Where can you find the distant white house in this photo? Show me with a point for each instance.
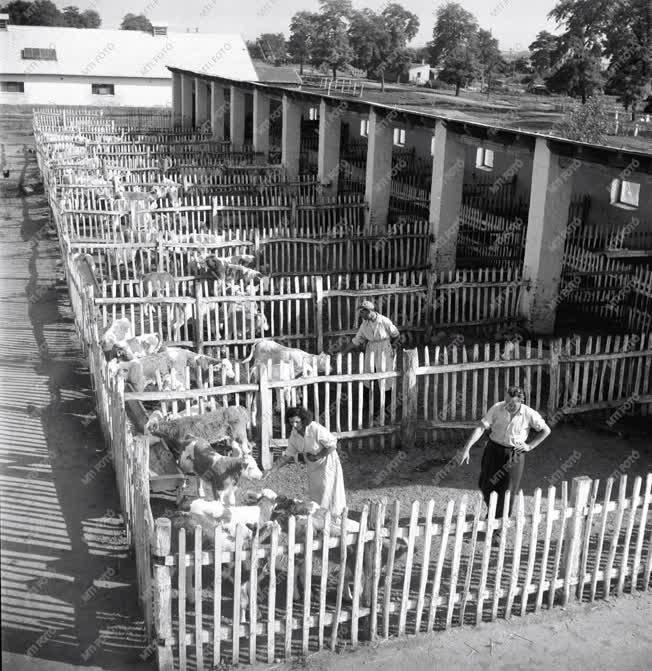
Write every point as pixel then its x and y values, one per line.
pixel 418 73
pixel 71 66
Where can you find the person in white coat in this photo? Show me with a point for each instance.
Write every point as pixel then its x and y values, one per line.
pixel 378 335
pixel 319 447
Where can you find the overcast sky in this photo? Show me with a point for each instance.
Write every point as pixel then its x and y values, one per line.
pixel 514 22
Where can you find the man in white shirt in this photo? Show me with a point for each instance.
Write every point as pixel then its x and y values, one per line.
pixel 503 459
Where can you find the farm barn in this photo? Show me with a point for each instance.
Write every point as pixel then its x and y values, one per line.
pixel 44 65
pixel 205 238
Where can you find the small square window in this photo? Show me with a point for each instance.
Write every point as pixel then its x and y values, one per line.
pixel 313 113
pixel 625 194
pixel 364 127
pixel 103 89
pixel 399 137
pixel 484 159
pixel 12 87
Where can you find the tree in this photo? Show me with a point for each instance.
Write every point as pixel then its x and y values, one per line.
pixel 454 28
pixel 331 45
pixel 460 67
pixel 522 65
pixel 577 66
pixel 488 56
pixel 577 71
pixel 379 40
pixel 303 30
pixel 136 22
pixel 628 45
pixel 39 13
pixel 273 48
pixel 588 122
pixel 541 52
pixel 91 18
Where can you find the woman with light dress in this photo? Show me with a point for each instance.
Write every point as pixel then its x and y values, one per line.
pixel 319 447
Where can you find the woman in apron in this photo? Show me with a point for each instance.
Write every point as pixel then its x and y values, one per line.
pixel 319 447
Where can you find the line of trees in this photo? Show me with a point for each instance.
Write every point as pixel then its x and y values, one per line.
pixel 338 37
pixel 46 13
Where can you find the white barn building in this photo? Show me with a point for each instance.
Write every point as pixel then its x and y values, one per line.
pixel 43 65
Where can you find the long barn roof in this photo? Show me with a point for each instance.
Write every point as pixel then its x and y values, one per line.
pixel 123 53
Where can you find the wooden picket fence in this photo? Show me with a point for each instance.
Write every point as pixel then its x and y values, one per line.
pixel 578 546
pixel 593 285
pixel 490 240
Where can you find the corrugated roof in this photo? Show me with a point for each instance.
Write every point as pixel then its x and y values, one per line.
pixel 124 53
pixel 275 74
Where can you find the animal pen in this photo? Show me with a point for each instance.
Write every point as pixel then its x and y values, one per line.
pixel 415 570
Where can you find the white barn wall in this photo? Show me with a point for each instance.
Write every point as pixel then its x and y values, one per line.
pixel 76 90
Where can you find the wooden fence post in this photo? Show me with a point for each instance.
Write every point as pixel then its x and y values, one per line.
pixel 163 594
pixel 319 311
pixel 294 220
pixel 257 249
pixel 553 388
pixel 265 417
pixel 409 397
pixel 580 490
pixel 199 318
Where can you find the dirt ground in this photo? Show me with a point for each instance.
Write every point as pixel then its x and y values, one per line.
pixel 608 635
pixel 419 474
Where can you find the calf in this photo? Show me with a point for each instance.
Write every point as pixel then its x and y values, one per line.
pixel 212 515
pixel 221 473
pixel 222 424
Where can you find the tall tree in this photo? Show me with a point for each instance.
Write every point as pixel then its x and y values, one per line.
pixel 577 65
pixel 273 47
pixel 488 56
pixel 303 31
pixel 628 45
pixel 454 28
pixel 379 41
pixel 136 22
pixel 460 67
pixel 541 52
pixel 332 47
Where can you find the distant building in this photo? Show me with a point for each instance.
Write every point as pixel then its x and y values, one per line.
pixel 72 66
pixel 419 73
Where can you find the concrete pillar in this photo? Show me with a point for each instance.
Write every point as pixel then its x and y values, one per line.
pixel 328 160
pixel 445 197
pixel 550 196
pixel 237 114
pixel 218 108
pixel 186 100
pixel 176 98
pixel 291 137
pixel 379 169
pixel 202 109
pixel 261 122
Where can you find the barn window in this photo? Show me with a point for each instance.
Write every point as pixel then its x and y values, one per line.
pixel 103 89
pixel 33 54
pixel 364 127
pixel 313 113
pixel 484 159
pixel 399 137
pixel 12 87
pixel 625 194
